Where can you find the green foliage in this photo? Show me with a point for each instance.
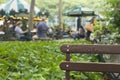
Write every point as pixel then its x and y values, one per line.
pixel 110 34
pixel 52 5
pixel 105 34
pixel 39 61
pixel 114 13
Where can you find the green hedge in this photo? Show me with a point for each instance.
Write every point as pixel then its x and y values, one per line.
pixel 39 60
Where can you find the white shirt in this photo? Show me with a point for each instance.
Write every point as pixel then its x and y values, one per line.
pixel 18 31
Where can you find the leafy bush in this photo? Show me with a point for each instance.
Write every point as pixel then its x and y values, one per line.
pixel 105 34
pixel 38 61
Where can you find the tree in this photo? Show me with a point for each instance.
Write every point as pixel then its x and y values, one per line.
pixel 60 14
pixel 30 22
pixel 114 13
pixel 114 16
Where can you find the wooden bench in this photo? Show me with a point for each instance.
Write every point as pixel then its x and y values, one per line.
pixel 91 66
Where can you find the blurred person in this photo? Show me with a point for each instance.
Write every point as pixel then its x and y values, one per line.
pixel 72 33
pixel 81 33
pixel 20 34
pixel 51 32
pixel 58 32
pixel 77 34
pixel 41 30
pixel 90 28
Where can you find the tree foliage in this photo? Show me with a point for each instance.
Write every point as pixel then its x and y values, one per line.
pixel 114 13
pixel 110 33
pixel 52 5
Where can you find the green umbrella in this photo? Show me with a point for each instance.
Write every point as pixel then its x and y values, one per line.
pixel 80 11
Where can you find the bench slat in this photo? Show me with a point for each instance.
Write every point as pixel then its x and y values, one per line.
pixel 90 67
pixel 101 49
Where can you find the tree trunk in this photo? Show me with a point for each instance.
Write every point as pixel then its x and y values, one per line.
pixel 60 14
pixel 31 15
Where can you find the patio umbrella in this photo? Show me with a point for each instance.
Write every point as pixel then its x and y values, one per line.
pixel 80 11
pixel 17 6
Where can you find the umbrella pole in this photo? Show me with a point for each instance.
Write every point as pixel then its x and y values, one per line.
pixel 79 23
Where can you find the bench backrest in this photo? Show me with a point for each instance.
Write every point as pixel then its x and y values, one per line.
pixel 89 49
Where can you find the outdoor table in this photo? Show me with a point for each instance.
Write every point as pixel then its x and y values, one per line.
pixel 2 33
pixel 33 32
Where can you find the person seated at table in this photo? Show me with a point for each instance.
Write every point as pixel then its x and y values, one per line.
pixel 80 33
pixel 20 34
pixel 41 30
pixel 72 33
